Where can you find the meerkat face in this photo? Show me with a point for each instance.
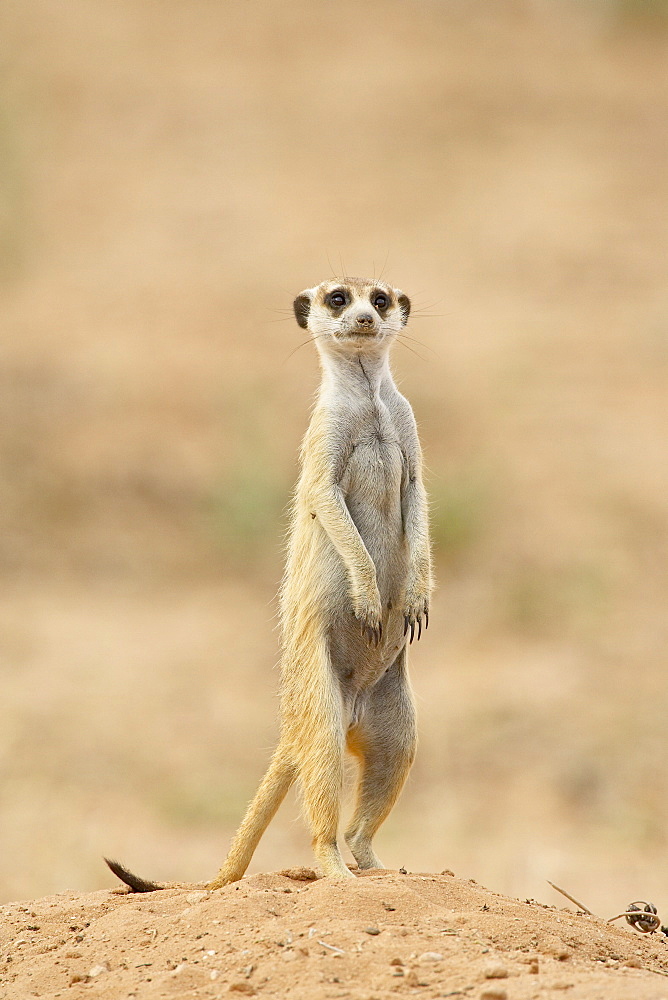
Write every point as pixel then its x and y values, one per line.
pixel 353 314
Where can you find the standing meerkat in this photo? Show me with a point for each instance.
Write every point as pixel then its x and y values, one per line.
pixel 356 587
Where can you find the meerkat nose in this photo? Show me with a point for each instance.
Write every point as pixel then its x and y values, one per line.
pixel 364 320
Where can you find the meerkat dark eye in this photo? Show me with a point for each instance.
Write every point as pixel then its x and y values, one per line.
pixel 380 301
pixel 336 300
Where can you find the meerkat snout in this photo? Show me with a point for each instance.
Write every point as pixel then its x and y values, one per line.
pixel 365 320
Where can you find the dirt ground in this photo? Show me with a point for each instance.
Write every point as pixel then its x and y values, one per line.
pixel 171 175
pixel 388 934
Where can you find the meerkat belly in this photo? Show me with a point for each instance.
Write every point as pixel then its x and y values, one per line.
pixel 372 490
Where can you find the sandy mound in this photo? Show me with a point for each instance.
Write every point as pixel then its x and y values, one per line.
pixel 279 935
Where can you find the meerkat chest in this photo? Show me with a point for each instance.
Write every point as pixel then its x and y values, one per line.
pixel 376 466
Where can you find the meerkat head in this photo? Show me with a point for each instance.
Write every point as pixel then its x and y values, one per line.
pixel 355 315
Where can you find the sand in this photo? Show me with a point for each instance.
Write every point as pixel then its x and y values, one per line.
pixel 289 934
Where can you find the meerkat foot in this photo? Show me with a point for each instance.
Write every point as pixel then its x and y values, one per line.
pixel 371 625
pixel 369 613
pixel 362 851
pixel 372 633
pixel 330 860
pixel 224 877
pixel 413 617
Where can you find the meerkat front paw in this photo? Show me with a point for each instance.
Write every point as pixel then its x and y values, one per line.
pixel 415 612
pixel 369 615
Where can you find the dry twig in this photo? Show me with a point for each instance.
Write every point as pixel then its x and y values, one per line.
pixel 563 892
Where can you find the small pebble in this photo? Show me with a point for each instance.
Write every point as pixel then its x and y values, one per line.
pixel 241 988
pixel 97 970
pixel 196 897
pixel 495 972
pixel 396 961
pixel 299 874
pixel 633 963
pixel 494 993
pixel 431 956
pixel 534 967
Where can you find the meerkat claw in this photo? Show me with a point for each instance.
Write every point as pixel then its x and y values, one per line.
pixel 371 633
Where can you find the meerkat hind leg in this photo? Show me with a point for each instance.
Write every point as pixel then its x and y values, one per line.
pixel 322 789
pixel 321 774
pixel 384 742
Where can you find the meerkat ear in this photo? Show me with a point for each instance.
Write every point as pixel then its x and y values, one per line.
pixel 302 307
pixel 405 306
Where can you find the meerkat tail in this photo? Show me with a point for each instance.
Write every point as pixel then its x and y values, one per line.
pixel 270 794
pixel 273 789
pixel 134 882
pixel 138 884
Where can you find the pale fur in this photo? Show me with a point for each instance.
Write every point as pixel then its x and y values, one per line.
pixel 358 577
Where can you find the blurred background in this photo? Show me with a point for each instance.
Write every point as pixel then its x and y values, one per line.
pixel 171 175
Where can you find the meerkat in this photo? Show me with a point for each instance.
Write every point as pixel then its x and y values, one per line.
pixel 356 588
